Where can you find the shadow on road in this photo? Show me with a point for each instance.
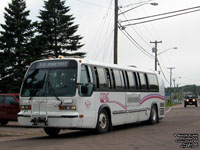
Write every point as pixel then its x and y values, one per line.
pixel 73 134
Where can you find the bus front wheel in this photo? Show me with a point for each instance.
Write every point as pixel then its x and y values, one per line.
pixel 103 122
pixel 52 131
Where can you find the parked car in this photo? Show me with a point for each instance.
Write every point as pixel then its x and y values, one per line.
pixel 9 107
pixel 190 100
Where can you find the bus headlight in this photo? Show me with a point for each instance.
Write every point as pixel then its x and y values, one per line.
pixel 67 107
pixel 194 100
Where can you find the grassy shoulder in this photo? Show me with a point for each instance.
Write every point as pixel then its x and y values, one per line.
pixel 170 104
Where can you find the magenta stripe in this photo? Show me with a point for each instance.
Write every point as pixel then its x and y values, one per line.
pixel 146 98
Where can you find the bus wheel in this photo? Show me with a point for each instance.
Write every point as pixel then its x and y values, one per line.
pixel 3 122
pixel 153 116
pixel 103 122
pixel 52 131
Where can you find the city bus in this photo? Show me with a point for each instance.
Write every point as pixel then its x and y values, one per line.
pixel 74 93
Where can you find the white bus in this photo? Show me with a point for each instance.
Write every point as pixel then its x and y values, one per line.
pixel 66 93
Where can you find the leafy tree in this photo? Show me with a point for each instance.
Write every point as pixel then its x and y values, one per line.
pixel 15 38
pixel 57 30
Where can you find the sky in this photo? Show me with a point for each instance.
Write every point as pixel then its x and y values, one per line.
pixel 96 18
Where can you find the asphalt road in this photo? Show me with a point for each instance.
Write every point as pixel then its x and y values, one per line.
pixel 180 127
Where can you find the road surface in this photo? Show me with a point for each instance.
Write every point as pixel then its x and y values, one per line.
pixel 180 127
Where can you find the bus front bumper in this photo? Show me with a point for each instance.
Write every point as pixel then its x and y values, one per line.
pixel 61 120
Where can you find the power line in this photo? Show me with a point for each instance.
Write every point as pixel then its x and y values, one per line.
pixel 133 41
pixel 89 3
pixel 163 72
pixel 162 14
pixel 137 32
pixel 161 18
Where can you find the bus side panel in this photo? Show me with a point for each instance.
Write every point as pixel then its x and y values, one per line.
pixel 87 111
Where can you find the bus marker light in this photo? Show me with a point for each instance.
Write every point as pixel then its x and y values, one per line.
pixel 62 107
pixel 81 116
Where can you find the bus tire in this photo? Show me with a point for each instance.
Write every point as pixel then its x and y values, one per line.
pixel 52 131
pixel 3 122
pixel 153 119
pixel 103 122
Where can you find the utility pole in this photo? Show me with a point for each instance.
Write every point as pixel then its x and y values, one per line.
pixel 156 52
pixel 116 33
pixel 171 68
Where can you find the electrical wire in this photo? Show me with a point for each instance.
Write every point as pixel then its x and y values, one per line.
pixel 89 3
pixel 138 33
pixel 160 18
pixel 162 72
pixel 162 14
pixel 133 41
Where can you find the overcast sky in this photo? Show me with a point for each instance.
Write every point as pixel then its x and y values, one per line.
pixel 95 19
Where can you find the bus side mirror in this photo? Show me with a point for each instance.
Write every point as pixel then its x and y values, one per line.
pixel 86 90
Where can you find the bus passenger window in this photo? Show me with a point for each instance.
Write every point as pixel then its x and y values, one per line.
pixel 97 77
pixel 108 78
pixel 143 83
pixel 102 80
pixel 122 79
pixel 118 83
pixel 113 78
pixel 131 79
pixel 153 82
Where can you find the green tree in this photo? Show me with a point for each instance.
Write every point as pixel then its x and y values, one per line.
pixel 57 30
pixel 15 38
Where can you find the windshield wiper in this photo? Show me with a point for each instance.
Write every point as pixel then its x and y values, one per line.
pixel 53 91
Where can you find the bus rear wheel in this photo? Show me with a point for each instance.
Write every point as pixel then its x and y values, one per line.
pixel 153 116
pixel 103 122
pixel 52 131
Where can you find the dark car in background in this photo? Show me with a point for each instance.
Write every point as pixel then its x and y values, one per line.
pixel 9 107
pixel 190 100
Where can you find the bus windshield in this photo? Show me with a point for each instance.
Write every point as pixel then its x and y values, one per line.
pixel 51 78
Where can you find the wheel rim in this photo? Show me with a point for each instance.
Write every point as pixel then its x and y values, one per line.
pixel 102 121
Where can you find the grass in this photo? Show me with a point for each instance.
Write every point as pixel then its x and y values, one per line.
pixel 169 104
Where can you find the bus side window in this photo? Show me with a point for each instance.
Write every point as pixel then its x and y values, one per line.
pixel 113 78
pixel 118 82
pixel 108 77
pixel 123 80
pixel 102 78
pixel 153 82
pixel 96 77
pixel 127 80
pixel 143 82
pixel 132 80
pixel 136 80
